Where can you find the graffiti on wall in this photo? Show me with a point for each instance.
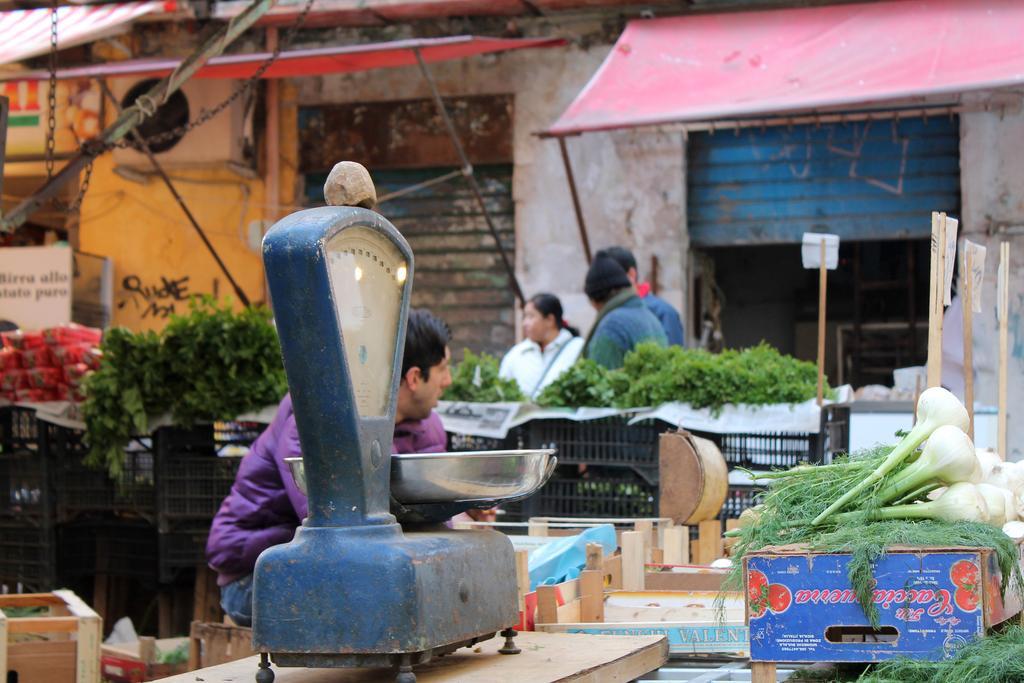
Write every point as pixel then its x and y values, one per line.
pixel 156 299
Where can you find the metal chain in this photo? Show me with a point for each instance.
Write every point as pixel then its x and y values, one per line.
pixel 207 114
pixel 51 114
pixel 94 148
pixel 77 204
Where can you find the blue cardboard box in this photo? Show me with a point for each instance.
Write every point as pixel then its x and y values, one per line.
pixel 931 601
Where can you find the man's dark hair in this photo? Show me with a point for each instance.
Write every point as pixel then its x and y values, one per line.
pixel 624 257
pixel 426 338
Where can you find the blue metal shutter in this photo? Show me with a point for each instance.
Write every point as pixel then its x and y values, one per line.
pixel 866 180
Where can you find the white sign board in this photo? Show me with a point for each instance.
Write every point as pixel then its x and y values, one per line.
pixel 947 283
pixel 811 250
pixel 35 286
pixel 977 273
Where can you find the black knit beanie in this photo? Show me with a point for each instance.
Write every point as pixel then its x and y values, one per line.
pixel 605 274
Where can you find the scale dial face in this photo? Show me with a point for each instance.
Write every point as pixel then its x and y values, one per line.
pixel 367 273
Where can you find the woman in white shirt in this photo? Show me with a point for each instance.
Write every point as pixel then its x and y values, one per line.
pixel 550 347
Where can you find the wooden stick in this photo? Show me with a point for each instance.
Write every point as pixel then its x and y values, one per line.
pixel 537 528
pixel 822 279
pixel 547 605
pixel 763 672
pixel 677 545
pixel 1004 341
pixel 710 541
pixel 591 595
pixel 522 576
pixel 595 556
pixel 967 299
pixel 938 279
pixel 3 644
pixel 645 527
pixel 632 561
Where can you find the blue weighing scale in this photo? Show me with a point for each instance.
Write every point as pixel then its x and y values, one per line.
pixel 355 588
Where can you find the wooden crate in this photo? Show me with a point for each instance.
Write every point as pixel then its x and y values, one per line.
pixel 60 646
pixel 137 662
pixel 213 644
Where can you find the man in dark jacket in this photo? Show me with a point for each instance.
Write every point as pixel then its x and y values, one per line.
pixel 264 506
pixel 623 321
pixel 669 318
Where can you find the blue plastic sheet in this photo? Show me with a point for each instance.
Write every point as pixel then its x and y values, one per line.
pixel 563 559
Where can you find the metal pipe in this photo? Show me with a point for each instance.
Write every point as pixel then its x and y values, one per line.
pixel 782 120
pixel 178 198
pixel 134 115
pixel 418 186
pixel 575 199
pixel 4 108
pixel 467 172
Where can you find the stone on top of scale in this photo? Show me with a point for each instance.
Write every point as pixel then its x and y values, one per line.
pixel 349 184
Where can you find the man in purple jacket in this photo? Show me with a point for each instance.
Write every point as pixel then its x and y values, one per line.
pixel 265 507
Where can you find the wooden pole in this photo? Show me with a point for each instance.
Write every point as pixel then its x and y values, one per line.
pixel 632 561
pixel 967 299
pixel 822 279
pixel 1004 341
pixel 938 279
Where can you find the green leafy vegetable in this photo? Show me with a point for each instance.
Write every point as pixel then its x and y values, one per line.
pixel 476 379
pixel 211 364
pixel 585 384
pixel 756 376
pixel 998 658
pixel 653 375
pixel 801 493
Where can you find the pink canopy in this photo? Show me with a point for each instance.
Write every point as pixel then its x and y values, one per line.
pixel 742 64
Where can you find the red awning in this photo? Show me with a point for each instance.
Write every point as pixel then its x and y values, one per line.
pixel 26 33
pixel 736 65
pixel 314 62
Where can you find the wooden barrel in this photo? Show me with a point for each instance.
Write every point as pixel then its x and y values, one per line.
pixel 693 478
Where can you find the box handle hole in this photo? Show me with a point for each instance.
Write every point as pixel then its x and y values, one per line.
pixel 861 634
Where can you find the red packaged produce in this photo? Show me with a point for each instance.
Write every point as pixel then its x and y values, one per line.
pixel 23 340
pixel 62 392
pixel 37 358
pixel 71 334
pixel 13 380
pixel 35 395
pixel 93 359
pixel 10 359
pixel 44 378
pixel 66 355
pixel 74 373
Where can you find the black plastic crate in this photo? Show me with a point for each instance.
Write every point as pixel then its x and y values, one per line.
pixel 466 442
pixel 116 548
pixel 25 485
pixel 19 429
pixel 181 550
pixel 196 468
pixel 738 499
pixel 82 490
pixel 767 450
pixel 27 556
pixel 596 493
pixel 609 441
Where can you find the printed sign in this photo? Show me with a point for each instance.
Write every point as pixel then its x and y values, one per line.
pixel 77 116
pixel 811 250
pixel 35 286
